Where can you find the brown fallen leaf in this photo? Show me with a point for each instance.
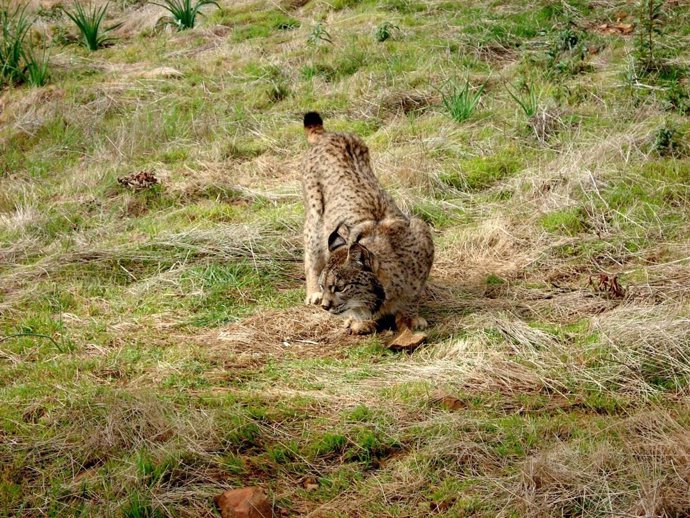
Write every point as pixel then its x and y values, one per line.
pixel 624 28
pixel 139 180
pixel 617 28
pixel 407 341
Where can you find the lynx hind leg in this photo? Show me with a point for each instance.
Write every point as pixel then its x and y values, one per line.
pixel 422 240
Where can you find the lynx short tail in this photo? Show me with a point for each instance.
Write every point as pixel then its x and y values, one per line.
pixel 313 125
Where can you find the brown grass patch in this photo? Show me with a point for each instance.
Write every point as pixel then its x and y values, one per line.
pixel 304 331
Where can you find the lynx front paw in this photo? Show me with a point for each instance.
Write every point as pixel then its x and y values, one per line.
pixel 419 323
pixel 361 327
pixel 404 321
pixel 313 298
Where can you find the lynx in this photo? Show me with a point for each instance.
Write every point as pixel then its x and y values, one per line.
pixel 354 229
pixel 378 269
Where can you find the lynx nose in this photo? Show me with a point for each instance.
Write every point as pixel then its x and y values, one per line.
pixel 326 304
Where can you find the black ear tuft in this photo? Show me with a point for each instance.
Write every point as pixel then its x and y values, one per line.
pixel 312 119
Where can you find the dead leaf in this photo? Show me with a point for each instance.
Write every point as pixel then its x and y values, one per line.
pixel 607 285
pixel 138 181
pixel 310 483
pixel 624 28
pixel 618 28
pixel 407 341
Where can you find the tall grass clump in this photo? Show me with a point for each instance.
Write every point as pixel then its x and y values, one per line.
pixel 527 101
pixel 18 62
pixel 460 102
pixel 36 67
pixel 89 23
pixel 182 12
pixel 15 27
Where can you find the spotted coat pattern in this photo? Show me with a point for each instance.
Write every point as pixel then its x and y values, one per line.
pixel 343 196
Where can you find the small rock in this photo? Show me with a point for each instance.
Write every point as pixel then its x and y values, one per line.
pixel 246 502
pixel 407 341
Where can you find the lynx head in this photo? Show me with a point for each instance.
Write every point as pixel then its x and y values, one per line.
pixel 348 283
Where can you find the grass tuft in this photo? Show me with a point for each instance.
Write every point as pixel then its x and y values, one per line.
pixel 36 67
pixel 19 62
pixel 183 13
pixel 385 31
pixel 528 101
pixel 460 102
pixel 90 24
pixel 319 34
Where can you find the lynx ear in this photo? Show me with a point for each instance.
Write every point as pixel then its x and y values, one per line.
pixel 336 240
pixel 338 237
pixel 360 231
pixel 360 255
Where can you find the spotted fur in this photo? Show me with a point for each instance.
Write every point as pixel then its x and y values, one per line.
pixel 339 187
pixel 383 257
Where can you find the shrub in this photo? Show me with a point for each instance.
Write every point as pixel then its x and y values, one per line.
pixel 567 53
pixel 182 13
pixel 668 141
pixel 89 23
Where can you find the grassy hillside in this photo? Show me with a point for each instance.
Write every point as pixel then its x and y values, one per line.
pixel 154 349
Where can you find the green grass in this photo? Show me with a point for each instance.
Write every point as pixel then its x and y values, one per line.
pixel 19 59
pixel 475 174
pixel 154 346
pixel 569 222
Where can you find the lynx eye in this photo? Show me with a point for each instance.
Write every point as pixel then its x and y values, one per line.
pixel 340 286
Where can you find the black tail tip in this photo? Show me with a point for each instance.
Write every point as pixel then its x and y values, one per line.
pixel 312 119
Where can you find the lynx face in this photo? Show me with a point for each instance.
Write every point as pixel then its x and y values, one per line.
pixel 349 286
